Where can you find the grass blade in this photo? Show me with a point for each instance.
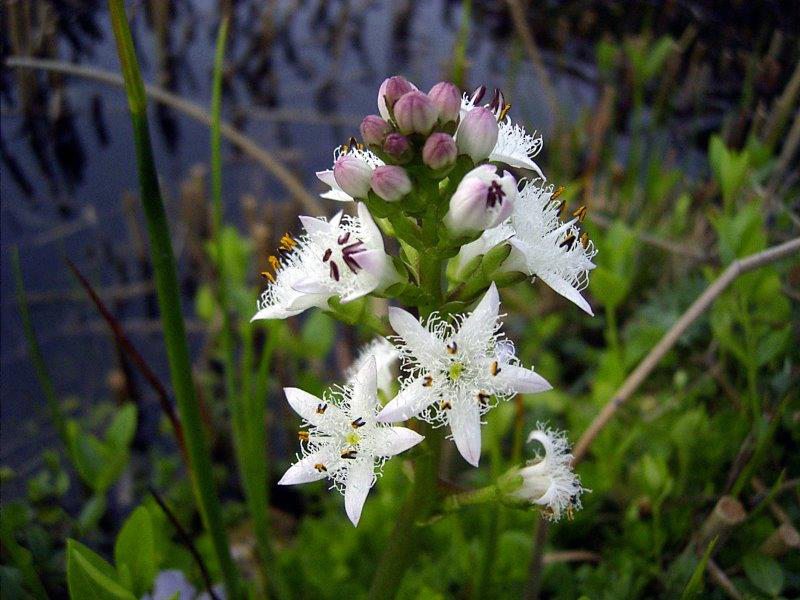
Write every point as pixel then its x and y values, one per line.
pixel 39 366
pixel 168 293
pixel 696 580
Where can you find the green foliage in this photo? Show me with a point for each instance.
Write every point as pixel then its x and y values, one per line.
pixel 729 167
pixel 89 576
pixel 764 572
pixel 135 552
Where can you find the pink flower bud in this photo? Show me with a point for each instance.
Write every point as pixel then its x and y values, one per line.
pixel 414 112
pixel 397 147
pixel 374 130
pixel 353 175
pixel 477 133
pixel 390 91
pixel 447 100
pixel 483 199
pixel 390 183
pixel 439 151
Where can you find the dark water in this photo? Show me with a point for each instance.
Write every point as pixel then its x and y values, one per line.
pixel 298 90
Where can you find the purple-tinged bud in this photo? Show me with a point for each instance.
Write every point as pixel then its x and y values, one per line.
pixel 483 199
pixel 390 183
pixel 414 112
pixel 477 133
pixel 447 99
pixel 353 175
pixel 374 130
pixel 397 147
pixel 390 91
pixel 439 151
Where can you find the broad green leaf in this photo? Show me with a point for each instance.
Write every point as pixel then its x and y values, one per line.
pixel 135 549
pixel 764 572
pixel 122 429
pixel 89 455
pixel 89 576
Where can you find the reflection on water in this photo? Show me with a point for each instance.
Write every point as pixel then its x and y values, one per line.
pixel 295 74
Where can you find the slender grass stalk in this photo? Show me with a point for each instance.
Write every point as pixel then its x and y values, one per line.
pixel 39 366
pixel 168 293
pixel 460 49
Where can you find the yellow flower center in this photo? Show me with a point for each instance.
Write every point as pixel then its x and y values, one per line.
pixel 352 438
pixel 456 368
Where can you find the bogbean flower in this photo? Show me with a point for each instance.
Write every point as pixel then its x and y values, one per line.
pixel 374 130
pixel 415 112
pixel 342 441
pixel 457 371
pixel 387 361
pixel 513 145
pixel 342 258
pixel 391 183
pixel 390 92
pixel 447 100
pixel 477 134
pixel 546 247
pixel 439 151
pixel 355 167
pixel 550 480
pixel 484 199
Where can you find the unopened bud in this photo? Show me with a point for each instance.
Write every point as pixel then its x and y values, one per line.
pixel 353 175
pixel 397 147
pixel 439 151
pixel 477 133
pixel 483 199
pixel 390 183
pixel 390 91
pixel 447 99
pixel 374 130
pixel 414 112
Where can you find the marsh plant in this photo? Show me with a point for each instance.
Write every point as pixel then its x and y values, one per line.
pixel 441 224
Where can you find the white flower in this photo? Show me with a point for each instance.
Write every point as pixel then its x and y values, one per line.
pixel 546 247
pixel 455 371
pixel 515 146
pixel 483 199
pixel 326 176
pixel 343 258
pixel 550 481
pixel 386 358
pixel 343 441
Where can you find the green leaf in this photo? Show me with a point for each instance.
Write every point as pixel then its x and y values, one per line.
pixel 135 549
pixel 87 452
pixel 89 576
pixel 764 572
pixel 205 305
pixel 122 429
pixel 658 54
pixel 318 334
pixel 695 584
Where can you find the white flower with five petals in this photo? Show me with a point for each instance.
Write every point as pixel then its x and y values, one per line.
pixel 457 372
pixel 550 480
pixel 343 441
pixel 327 177
pixel 342 258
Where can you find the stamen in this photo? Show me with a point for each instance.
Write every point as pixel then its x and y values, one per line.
pixel 580 213
pixel 334 271
pixel 445 405
pixel 584 240
pixel 349 454
pixel 494 369
pixel 452 347
pixel 559 190
pixel 427 381
pixel 274 262
pixel 477 95
pixel 504 112
pixel 342 239
pixel 351 262
pixel 320 467
pixel 327 255
pixel 483 398
pixel 287 242
pixel 321 408
pixel 302 436
pixel 494 194
pixel 494 104
pixel 568 242
pixel 359 422
pixel 268 276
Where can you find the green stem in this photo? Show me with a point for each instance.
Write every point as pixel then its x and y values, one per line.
pixel 169 302
pixel 39 366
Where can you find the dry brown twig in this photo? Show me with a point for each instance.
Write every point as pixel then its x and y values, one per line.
pixel 649 363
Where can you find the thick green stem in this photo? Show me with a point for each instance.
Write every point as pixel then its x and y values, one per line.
pixel 169 302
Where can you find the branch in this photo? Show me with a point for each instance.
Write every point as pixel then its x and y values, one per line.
pixel 643 370
pixel 229 132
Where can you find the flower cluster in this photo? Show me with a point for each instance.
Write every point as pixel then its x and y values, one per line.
pixel 437 171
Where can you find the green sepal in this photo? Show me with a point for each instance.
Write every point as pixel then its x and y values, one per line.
pixel 509 278
pixel 495 257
